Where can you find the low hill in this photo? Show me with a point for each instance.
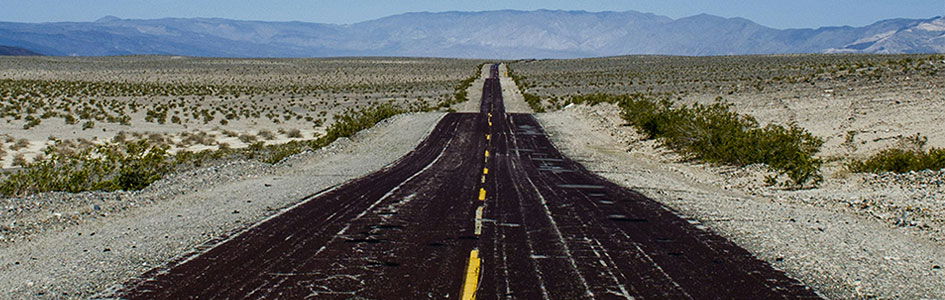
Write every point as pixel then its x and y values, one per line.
pixel 488 34
pixel 16 51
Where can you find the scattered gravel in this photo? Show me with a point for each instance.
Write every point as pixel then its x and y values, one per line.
pixel 514 101
pixel 60 245
pixel 474 93
pixel 857 236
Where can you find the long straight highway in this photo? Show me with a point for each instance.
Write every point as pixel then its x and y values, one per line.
pixel 485 207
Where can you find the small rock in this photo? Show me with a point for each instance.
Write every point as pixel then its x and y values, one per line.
pixel 236 211
pixel 107 250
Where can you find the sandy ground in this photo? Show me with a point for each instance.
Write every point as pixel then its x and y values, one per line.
pixel 79 260
pixel 474 93
pixel 262 129
pixel 227 102
pixel 839 252
pixel 514 101
pixel 854 119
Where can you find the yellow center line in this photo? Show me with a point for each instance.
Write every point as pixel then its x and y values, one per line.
pixel 490 123
pixel 485 171
pixel 479 220
pixel 471 284
pixel 487 153
pixel 482 194
pixel 488 137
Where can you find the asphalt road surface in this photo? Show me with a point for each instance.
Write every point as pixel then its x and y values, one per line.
pixel 487 208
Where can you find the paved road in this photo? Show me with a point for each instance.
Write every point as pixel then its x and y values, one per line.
pixel 485 208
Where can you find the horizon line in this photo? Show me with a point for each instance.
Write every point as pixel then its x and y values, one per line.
pixel 471 12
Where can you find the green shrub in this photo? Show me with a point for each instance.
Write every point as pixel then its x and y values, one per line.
pixel 459 92
pixel 353 121
pixel 900 161
pixel 534 101
pixel 345 125
pixel 31 122
pixel 716 134
pixel 294 133
pixel 135 165
pixel 109 167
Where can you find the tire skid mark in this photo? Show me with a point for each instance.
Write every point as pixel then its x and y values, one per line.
pixel 586 216
pixel 388 194
pixel 341 233
pixel 554 224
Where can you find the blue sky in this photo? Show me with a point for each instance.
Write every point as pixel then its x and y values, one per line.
pixel 774 13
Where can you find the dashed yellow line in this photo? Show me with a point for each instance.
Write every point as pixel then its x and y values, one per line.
pixel 478 229
pixel 482 194
pixel 485 171
pixel 471 284
pixel 487 153
pixel 488 137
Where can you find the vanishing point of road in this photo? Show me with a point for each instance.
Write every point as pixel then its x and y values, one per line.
pixel 485 207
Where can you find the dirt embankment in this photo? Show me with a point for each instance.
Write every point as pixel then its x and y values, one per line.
pixel 81 244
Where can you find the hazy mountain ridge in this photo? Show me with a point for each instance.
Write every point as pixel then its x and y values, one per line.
pixel 16 51
pixel 490 34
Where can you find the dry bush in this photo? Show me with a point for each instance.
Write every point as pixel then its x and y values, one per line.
pixel 20 160
pixel 247 138
pixel 120 137
pixel 294 133
pixel 266 134
pixel 230 133
pixel 20 144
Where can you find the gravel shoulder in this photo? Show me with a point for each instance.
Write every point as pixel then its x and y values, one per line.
pixel 474 93
pixel 841 250
pixel 102 239
pixel 514 101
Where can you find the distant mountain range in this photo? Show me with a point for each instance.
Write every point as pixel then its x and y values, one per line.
pixel 489 34
pixel 15 51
